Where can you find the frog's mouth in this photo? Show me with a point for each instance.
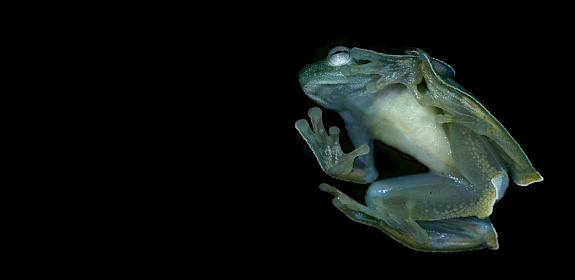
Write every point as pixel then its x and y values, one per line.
pixel 321 93
pixel 313 75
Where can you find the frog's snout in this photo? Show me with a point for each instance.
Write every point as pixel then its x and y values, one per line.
pixel 304 75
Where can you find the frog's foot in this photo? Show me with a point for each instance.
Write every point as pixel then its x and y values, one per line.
pixel 406 231
pixel 351 208
pixel 327 150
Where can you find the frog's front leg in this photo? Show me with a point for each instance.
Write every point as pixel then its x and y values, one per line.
pixel 331 158
pixel 360 134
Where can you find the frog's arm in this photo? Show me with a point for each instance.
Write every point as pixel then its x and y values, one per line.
pixel 441 92
pixel 332 160
pixel 359 134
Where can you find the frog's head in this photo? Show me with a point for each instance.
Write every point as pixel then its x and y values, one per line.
pixel 325 82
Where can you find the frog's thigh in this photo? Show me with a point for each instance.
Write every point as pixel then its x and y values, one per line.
pixel 426 197
pixel 478 162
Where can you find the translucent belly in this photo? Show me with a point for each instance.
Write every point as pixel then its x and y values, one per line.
pixel 397 119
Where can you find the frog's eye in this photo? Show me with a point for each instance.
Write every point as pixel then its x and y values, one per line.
pixel 338 56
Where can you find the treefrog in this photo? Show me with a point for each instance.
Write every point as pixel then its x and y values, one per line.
pixel 412 103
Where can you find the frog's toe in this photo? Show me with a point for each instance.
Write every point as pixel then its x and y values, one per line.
pixel 351 208
pixel 328 189
pixel 340 199
pixel 491 241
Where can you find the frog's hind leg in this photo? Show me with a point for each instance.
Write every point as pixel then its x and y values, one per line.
pixel 448 235
pixel 480 182
pixel 435 204
pixel 460 234
pixel 423 197
pixel 478 162
pixel 405 231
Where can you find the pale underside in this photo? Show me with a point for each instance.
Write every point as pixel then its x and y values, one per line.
pixel 398 120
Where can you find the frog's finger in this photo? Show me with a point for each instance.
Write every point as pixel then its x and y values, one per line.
pixel 301 125
pixel 303 128
pixel 334 136
pixel 360 151
pixel 333 131
pixel 316 121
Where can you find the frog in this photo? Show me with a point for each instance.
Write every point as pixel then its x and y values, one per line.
pixel 412 103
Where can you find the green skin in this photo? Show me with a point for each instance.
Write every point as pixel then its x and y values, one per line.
pixel 410 102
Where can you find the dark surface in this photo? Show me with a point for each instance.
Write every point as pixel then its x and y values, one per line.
pixel 204 163
pixel 262 202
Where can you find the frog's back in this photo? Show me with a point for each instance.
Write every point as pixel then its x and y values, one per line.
pixel 463 106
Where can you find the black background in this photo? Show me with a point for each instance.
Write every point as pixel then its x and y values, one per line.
pixel 263 191
pixel 195 113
